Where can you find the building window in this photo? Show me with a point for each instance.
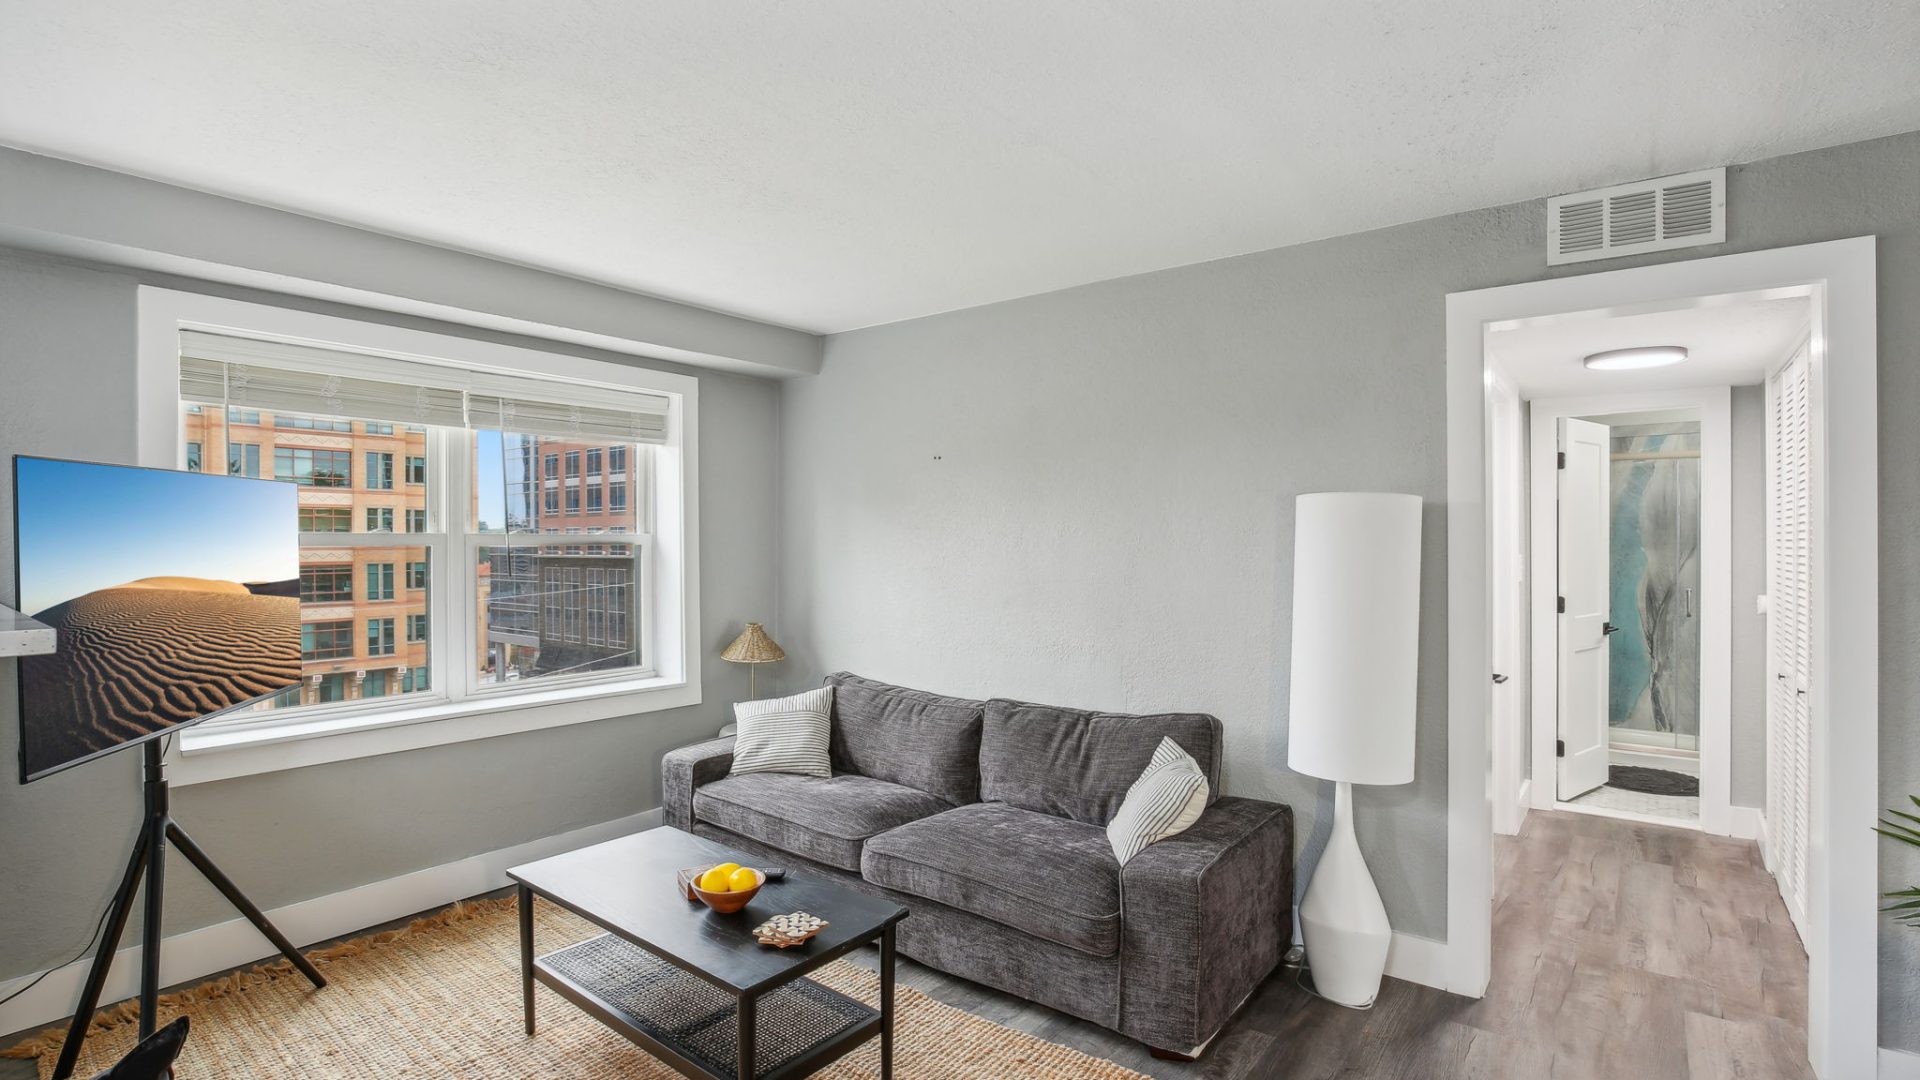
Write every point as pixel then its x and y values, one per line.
pixel 380 581
pixel 319 519
pixel 380 637
pixel 245 417
pixel 243 459
pixel 309 423
pixel 326 584
pixel 313 468
pixel 193 457
pixel 617 496
pixel 460 556
pixel 331 688
pixel 326 640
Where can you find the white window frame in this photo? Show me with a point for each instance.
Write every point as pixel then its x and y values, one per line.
pixel 452 710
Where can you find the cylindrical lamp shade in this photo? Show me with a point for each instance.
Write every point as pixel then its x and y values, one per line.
pixel 1356 636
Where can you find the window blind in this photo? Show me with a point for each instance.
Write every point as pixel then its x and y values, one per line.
pixel 219 369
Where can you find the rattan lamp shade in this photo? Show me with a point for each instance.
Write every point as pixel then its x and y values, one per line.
pixel 753 646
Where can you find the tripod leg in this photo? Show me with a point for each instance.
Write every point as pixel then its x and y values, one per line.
pixel 150 928
pixel 239 900
pixel 103 958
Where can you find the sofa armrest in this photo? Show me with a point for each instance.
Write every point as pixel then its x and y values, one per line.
pixel 687 768
pixel 1205 917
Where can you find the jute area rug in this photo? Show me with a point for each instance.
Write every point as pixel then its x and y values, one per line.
pixel 441 998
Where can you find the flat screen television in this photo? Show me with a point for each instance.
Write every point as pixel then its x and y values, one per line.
pixel 175 597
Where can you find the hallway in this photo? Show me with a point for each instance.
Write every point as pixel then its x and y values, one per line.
pixel 1630 950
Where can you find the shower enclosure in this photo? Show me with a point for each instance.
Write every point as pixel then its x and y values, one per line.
pixel 1654 688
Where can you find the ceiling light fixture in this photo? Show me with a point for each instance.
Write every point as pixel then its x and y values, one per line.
pixel 1644 356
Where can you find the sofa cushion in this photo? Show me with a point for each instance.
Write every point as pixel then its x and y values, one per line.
pixel 823 818
pixel 1079 764
pixel 909 737
pixel 1044 875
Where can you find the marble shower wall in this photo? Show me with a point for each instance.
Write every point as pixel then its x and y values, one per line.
pixel 1655 558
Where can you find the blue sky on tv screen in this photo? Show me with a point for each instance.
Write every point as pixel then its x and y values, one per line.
pixel 84 527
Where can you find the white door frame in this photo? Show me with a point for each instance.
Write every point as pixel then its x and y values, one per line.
pixel 1715 406
pixel 1843 983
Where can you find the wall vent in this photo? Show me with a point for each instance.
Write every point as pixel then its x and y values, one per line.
pixel 1646 215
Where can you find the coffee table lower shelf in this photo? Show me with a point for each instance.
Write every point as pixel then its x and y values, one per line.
pixel 692 1025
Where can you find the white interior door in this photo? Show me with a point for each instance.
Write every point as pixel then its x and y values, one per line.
pixel 1586 493
pixel 1790 541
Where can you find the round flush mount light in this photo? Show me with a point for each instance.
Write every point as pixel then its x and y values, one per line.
pixel 1644 356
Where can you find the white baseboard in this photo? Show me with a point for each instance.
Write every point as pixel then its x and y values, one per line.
pixel 197 953
pixel 1899 1064
pixel 1744 822
pixel 1418 960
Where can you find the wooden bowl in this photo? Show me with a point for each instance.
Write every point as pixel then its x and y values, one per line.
pixel 726 903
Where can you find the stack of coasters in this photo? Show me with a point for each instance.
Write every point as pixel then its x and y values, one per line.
pixel 786 931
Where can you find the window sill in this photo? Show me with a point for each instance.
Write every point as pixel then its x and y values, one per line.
pixel 209 754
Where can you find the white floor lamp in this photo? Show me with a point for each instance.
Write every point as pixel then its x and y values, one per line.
pixel 1356 642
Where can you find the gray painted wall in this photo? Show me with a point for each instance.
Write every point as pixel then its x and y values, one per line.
pixel 1749 515
pixel 66 364
pixel 1086 497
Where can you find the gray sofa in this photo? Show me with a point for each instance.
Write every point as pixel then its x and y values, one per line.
pixel 987 820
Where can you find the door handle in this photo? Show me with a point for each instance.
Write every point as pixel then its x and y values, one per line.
pixel 1608 628
pixel 1689 607
pixel 1498 678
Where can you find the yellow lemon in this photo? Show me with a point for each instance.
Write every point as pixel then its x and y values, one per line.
pixel 718 879
pixel 727 868
pixel 744 879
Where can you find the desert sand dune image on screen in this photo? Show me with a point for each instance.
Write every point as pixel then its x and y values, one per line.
pixel 143 656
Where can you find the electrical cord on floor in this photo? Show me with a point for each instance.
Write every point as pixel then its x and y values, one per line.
pixel 165 745
pixel 91 942
pixel 1296 959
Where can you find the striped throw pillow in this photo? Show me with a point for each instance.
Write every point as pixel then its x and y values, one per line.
pixel 786 734
pixel 1167 799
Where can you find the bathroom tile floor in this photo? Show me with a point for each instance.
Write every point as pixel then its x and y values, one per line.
pixel 1673 807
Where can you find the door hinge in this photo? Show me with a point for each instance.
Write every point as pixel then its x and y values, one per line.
pixel 1560 604
pixel 1562 460
pixel 1559 748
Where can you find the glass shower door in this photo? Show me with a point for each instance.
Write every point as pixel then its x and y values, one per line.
pixel 1654 680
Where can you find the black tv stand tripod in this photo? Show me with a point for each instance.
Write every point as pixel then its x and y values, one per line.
pixel 149 861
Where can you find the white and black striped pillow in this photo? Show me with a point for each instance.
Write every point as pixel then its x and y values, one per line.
pixel 1167 799
pixel 786 734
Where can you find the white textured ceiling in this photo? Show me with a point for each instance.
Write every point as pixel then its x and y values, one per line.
pixel 1730 342
pixel 835 164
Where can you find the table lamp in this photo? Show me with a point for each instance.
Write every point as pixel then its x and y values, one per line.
pixel 753 647
pixel 1356 641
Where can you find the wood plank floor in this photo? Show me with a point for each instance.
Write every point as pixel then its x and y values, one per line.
pixel 1621 950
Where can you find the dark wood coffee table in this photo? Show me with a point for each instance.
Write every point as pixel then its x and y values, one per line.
pixel 691 987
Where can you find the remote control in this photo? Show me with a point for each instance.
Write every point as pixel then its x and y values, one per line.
pixel 775 873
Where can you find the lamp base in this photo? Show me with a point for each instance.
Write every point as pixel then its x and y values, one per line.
pixel 1342 920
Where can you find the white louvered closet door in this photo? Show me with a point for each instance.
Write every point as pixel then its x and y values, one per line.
pixel 1790 543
